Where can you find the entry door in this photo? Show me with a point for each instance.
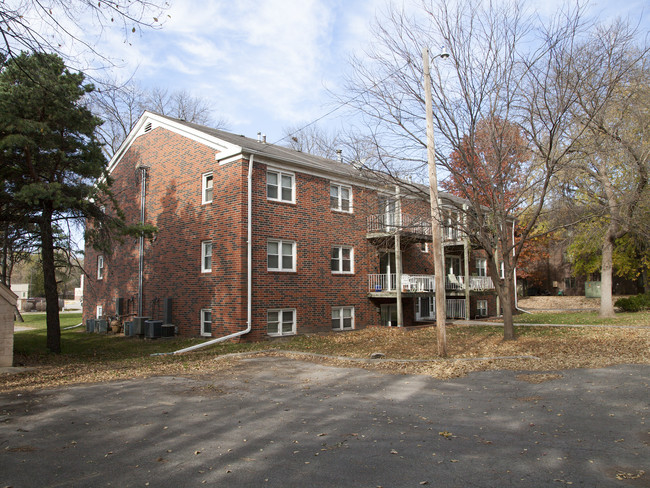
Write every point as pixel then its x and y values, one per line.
pixel 452 265
pixel 389 209
pixel 389 315
pixel 388 268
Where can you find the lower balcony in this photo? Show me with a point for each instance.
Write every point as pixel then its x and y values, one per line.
pixel 385 284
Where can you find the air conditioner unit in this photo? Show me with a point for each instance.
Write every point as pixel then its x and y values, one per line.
pixel 168 330
pixel 101 326
pixel 153 329
pixel 138 325
pixel 90 325
pixel 128 328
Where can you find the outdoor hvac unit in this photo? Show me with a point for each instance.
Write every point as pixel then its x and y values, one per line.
pixel 138 325
pixel 101 326
pixel 153 329
pixel 128 328
pixel 90 325
pixel 168 330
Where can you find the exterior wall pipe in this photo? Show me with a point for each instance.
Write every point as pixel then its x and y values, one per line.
pixel 143 197
pixel 249 275
pixel 515 271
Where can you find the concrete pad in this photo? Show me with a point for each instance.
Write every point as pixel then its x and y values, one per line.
pixel 278 422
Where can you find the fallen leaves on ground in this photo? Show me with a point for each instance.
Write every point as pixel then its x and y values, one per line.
pixel 407 351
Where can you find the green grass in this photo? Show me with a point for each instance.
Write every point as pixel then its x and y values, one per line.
pixel 584 318
pixel 77 343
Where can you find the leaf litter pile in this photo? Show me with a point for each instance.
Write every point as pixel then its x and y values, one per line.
pixel 401 351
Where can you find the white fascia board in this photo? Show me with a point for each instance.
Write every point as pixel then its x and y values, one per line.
pixel 225 149
pixel 293 166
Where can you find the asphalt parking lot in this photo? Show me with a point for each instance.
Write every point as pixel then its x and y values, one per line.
pixel 279 422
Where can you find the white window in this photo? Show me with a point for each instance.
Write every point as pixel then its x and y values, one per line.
pixel 100 267
pixel 281 255
pixel 206 322
pixel 206 256
pixel 481 308
pixel 481 266
pixel 281 322
pixel 503 271
pixel 342 318
pixel 99 312
pixel 207 188
pixel 340 197
pixel 280 186
pixel 342 259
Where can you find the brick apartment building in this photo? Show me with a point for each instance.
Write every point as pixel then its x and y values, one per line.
pixel 298 243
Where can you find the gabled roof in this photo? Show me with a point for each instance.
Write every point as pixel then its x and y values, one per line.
pixel 8 295
pixel 227 145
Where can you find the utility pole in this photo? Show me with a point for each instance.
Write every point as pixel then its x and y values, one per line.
pixel 435 211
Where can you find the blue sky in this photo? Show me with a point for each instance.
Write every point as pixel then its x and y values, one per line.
pixel 266 65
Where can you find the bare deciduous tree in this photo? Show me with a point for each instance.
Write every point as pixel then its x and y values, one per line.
pixel 120 106
pixel 505 64
pixel 35 26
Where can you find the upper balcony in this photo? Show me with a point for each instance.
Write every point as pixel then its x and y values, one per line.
pixel 382 225
pixel 387 224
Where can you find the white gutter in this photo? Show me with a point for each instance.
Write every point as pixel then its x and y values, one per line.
pixel 249 275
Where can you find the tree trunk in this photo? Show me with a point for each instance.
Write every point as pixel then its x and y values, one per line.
pixel 606 303
pixel 49 282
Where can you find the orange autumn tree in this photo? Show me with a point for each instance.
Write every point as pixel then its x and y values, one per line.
pixel 493 172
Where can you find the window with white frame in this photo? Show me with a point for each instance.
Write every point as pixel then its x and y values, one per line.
pixel 342 318
pixel 280 186
pixel 481 266
pixel 206 322
pixel 206 256
pixel 207 188
pixel 340 197
pixel 281 255
pixel 342 259
pixel 281 322
pixel 481 308
pixel 503 270
pixel 99 312
pixel 100 267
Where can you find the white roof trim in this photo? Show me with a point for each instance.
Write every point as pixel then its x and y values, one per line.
pixel 225 149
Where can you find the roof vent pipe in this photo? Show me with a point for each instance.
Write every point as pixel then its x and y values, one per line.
pixel 339 154
pixel 259 137
pixel 264 138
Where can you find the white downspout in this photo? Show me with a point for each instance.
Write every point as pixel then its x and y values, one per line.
pixel 143 199
pixel 515 270
pixel 249 275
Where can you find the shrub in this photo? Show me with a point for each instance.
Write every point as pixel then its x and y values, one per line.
pixel 634 304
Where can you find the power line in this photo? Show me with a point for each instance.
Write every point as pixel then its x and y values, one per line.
pixel 342 104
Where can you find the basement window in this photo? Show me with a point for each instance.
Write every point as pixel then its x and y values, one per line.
pixel 281 322
pixel 342 318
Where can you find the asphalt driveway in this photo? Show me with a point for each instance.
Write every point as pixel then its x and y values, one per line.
pixel 278 422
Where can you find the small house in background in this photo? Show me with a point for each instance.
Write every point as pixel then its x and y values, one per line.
pixel 8 301
pixel 22 292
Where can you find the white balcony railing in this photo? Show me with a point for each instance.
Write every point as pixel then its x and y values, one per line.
pixel 388 222
pixel 426 283
pixel 480 283
pixel 410 283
